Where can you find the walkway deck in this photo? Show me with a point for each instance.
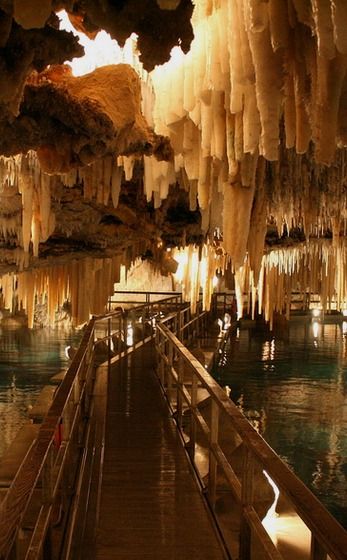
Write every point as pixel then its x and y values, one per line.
pixel 151 507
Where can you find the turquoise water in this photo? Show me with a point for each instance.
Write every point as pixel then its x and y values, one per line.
pixel 28 359
pixel 293 388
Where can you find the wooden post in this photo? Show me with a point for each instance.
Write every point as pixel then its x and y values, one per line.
pixel 161 365
pixel 180 375
pixel 169 372
pixel 180 325
pixel 192 435
pixel 47 497
pixel 212 474
pixel 317 551
pixel 109 343
pixel 125 333
pixel 247 492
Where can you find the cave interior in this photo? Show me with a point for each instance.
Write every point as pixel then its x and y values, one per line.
pixel 173 131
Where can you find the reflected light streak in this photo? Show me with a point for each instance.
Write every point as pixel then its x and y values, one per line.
pixel 268 353
pixel 271 514
pixel 130 336
pixel 315 329
pixel 288 532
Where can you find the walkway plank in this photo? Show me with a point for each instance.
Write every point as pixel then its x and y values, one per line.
pixel 151 507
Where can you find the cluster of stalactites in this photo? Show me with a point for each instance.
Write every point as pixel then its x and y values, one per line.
pixel 318 268
pixel 197 270
pixel 22 174
pixel 276 58
pixel 86 284
pixel 102 179
pixel 279 72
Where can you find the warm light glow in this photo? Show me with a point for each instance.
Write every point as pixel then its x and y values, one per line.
pixel 316 312
pixel 344 312
pixel 268 353
pixel 99 51
pixel 130 336
pixel 316 328
pixel 197 268
pixel 182 258
pixel 269 519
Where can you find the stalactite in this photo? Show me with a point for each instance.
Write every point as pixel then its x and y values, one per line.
pixel 86 283
pixel 237 208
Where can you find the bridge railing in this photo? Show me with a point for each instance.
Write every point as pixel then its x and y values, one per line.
pixel 40 496
pixel 230 458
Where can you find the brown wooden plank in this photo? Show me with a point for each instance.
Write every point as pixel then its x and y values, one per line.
pixel 151 506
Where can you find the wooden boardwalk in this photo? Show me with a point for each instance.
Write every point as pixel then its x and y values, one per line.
pixel 151 507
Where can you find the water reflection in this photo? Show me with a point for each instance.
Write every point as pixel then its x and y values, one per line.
pixel 294 392
pixel 28 359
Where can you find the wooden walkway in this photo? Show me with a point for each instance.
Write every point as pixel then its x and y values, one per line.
pixel 151 507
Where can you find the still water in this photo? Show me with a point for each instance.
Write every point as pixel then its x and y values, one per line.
pixel 293 388
pixel 28 359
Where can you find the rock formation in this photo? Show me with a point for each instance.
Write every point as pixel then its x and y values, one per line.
pixel 245 117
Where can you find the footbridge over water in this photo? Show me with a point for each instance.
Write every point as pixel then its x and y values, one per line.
pixel 142 455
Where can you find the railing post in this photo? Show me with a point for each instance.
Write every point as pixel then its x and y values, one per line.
pixel 180 377
pixel 47 497
pixel 317 551
pixel 247 492
pixel 16 550
pixel 109 343
pixel 161 366
pixel 192 435
pixel 169 371
pixel 212 476
pixel 125 332
pixel 180 325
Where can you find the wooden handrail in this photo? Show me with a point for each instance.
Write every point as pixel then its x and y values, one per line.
pixel 324 528
pixel 69 408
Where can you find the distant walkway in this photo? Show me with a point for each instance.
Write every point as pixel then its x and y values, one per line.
pixel 150 507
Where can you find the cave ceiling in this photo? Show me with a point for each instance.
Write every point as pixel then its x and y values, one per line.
pixel 69 122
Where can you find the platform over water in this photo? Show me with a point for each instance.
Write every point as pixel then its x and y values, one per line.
pixel 151 507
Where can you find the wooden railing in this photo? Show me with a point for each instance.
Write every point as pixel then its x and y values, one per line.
pixel 236 457
pixel 31 511
pixel 48 480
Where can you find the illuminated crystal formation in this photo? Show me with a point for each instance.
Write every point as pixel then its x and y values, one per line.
pixel 255 113
pixel 21 175
pixel 197 268
pixel 86 284
pixel 261 81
